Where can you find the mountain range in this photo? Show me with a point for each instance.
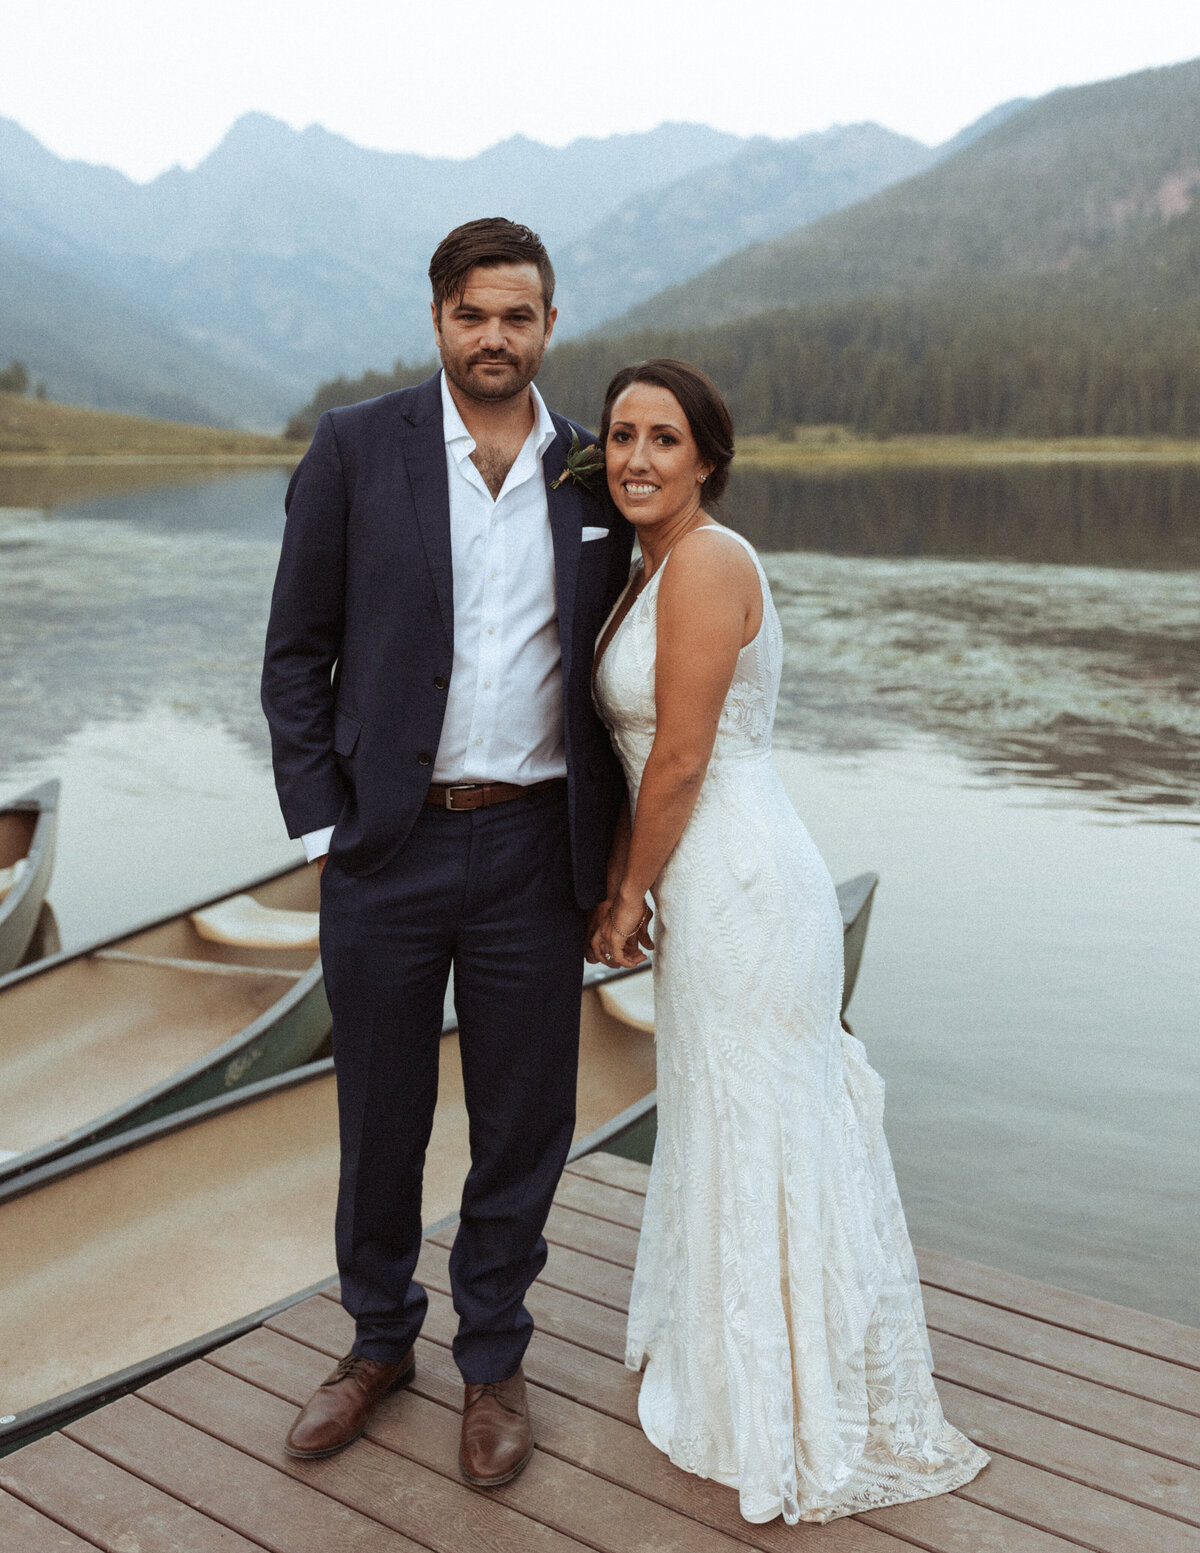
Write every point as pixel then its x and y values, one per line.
pixel 223 293
pixel 925 275
pixel 1041 192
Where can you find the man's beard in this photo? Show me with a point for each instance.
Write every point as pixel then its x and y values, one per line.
pixel 516 380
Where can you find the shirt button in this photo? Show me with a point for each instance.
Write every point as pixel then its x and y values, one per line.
pixel 487 684
pixel 495 575
pixel 479 741
pixel 438 682
pixel 495 521
pixel 424 758
pixel 491 630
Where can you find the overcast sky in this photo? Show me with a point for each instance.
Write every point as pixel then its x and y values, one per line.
pixel 142 84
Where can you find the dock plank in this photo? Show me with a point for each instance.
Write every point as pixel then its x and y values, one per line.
pixel 443 1512
pixel 1089 1412
pixel 600 1201
pixel 591 1441
pixel 598 1237
pixel 108 1507
pixel 1062 1307
pixel 1160 1430
pixel 566 1268
pixel 270 1508
pixel 31 1532
pixel 1061 1506
pixel 608 1515
pixel 952 1528
pixel 557 1366
pixel 1122 1369
pixel 1074 1452
pixel 611 1170
pixel 573 1316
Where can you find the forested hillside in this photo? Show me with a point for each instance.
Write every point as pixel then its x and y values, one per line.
pixel 1109 348
pixel 1067 177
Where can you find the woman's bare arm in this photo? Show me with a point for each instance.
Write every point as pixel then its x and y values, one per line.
pixel 707 601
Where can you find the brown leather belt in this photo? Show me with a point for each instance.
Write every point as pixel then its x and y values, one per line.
pixel 457 796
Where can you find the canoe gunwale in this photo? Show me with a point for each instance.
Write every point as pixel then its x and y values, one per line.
pixel 92 1131
pixel 52 962
pixel 20 908
pixel 48 1171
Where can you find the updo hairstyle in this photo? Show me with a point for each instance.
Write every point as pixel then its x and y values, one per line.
pixel 706 412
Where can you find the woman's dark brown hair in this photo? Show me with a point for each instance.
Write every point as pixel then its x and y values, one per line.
pixel 493 240
pixel 700 400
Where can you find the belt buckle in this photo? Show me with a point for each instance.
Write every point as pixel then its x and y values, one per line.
pixel 474 788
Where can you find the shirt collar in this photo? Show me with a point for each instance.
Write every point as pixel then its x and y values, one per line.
pixel 460 441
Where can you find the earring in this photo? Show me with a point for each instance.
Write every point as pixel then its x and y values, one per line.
pixel 702 478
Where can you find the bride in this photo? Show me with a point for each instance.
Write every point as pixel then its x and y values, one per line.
pixel 775 1301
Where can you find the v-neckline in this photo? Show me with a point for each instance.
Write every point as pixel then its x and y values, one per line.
pixel 606 645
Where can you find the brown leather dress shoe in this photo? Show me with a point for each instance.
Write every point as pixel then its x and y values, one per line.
pixel 338 1410
pixel 497 1439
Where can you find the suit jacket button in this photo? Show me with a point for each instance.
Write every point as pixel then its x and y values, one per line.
pixel 438 682
pixel 424 759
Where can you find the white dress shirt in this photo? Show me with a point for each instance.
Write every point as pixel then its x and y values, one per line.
pixel 504 708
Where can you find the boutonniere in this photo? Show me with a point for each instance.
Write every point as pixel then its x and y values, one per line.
pixel 582 466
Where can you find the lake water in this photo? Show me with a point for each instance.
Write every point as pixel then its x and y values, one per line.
pixel 992 697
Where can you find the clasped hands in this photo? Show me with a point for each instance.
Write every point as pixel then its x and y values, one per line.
pixel 618 933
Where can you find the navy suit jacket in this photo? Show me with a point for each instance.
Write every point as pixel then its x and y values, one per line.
pixel 360 644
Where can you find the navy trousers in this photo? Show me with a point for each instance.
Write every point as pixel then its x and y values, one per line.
pixel 490 892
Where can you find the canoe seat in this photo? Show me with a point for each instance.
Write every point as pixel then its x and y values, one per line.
pixel 10 875
pixel 242 922
pixel 631 1000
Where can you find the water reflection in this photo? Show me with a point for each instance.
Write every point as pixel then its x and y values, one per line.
pixel 1153 777
pixel 164 498
pixel 1091 515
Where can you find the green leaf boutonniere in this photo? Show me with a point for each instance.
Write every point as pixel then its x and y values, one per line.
pixel 582 466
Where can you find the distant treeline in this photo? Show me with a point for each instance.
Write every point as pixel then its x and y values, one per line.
pixel 992 360
pixel 343 390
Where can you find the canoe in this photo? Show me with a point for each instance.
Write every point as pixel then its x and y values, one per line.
pixel 164 1237
pixel 132 1028
pixel 150 1247
pixel 28 828
pixel 855 899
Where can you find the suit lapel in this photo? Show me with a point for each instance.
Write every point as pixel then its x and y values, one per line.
pixel 566 529
pixel 425 460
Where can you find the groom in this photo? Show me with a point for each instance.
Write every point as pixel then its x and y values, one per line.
pixel 427 682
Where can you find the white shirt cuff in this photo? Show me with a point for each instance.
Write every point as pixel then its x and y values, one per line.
pixel 316 843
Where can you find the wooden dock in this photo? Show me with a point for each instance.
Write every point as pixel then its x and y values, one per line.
pixel 1091 1413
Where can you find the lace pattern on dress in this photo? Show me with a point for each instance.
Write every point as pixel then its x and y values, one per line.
pixel 775 1300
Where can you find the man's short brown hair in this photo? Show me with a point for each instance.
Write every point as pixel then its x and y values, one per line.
pixel 490 241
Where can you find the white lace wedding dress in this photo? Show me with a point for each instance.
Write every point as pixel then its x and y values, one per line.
pixel 775 1299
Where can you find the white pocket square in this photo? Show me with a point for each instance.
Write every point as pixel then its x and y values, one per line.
pixel 594 533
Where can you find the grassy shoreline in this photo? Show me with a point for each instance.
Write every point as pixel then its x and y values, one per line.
pixel 40 431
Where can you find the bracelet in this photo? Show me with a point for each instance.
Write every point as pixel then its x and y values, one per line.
pixel 641 923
